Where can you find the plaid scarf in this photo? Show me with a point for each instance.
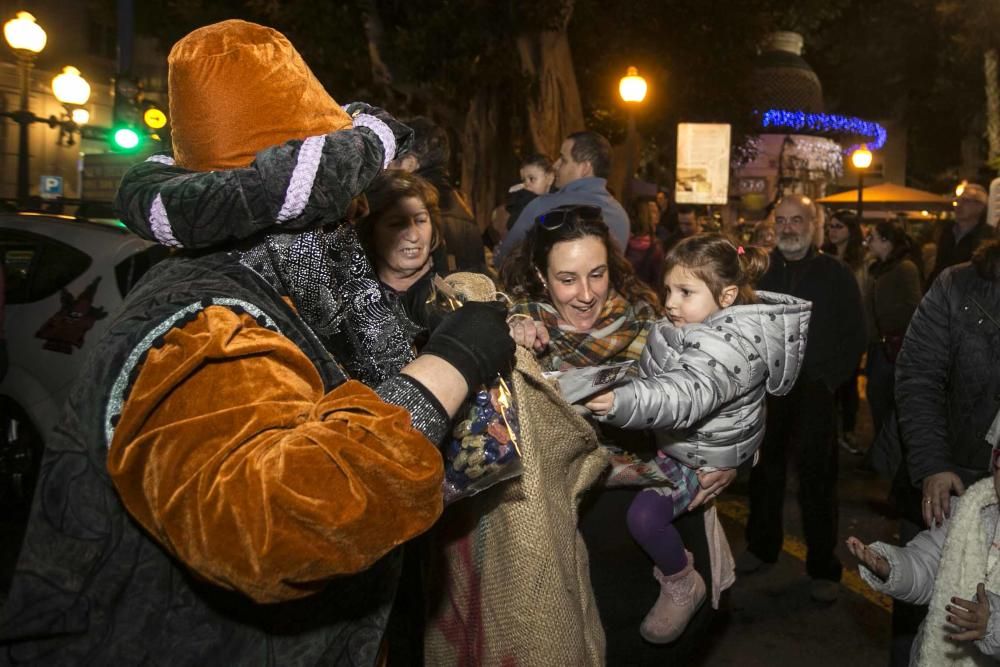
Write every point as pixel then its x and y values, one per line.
pixel 619 334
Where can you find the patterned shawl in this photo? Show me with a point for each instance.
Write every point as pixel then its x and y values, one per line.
pixel 619 334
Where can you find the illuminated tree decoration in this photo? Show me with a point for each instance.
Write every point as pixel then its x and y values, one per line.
pixel 824 123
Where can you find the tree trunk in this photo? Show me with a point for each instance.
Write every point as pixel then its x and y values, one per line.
pixel 375 34
pixel 482 153
pixel 990 69
pixel 554 109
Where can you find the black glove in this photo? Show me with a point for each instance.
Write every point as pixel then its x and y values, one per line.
pixel 475 340
pixel 402 133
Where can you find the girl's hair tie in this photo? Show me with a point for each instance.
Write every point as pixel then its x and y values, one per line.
pixel 740 250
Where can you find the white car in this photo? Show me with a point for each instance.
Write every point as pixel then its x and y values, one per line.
pixel 65 279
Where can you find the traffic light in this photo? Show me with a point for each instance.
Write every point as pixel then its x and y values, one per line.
pixel 126 134
pixel 124 138
pixel 154 120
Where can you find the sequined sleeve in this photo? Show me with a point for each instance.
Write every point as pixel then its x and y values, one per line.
pixel 229 453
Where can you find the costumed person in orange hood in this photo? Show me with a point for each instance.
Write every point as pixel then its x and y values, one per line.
pixel 252 438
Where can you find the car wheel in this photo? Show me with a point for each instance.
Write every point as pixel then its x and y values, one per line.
pixel 20 457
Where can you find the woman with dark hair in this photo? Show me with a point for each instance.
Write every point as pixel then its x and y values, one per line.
pixel 892 297
pixel 845 240
pixel 577 299
pixel 399 235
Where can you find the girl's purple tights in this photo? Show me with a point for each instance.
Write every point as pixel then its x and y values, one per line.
pixel 650 520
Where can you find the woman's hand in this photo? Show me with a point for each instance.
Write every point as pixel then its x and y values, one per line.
pixel 936 504
pixel 528 333
pixel 869 558
pixel 712 484
pixel 971 618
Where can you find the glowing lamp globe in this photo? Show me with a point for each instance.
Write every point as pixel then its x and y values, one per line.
pixel 71 88
pixel 80 116
pixel 861 158
pixel 632 87
pixel 23 34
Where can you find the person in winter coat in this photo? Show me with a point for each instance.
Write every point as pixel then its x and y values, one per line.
pixel 959 238
pixel 846 242
pixel 948 380
pixel 952 568
pixel 893 296
pixel 947 391
pixel 704 375
pixel 252 439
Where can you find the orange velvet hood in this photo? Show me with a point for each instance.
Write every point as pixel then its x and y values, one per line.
pixel 237 88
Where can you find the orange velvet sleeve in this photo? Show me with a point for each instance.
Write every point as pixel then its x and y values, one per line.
pixel 228 452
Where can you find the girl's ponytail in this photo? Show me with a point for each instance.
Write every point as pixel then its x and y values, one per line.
pixel 754 261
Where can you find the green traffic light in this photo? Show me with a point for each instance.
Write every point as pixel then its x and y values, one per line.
pixel 125 138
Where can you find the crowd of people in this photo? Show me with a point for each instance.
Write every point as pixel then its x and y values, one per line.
pixel 263 426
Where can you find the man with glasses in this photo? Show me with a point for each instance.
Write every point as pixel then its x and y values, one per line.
pixel 582 178
pixel 803 421
pixel 960 237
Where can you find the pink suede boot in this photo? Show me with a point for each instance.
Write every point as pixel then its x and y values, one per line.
pixel 681 595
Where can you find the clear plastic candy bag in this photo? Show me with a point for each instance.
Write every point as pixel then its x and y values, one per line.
pixel 482 450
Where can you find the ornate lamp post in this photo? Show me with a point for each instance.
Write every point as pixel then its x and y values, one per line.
pixel 73 91
pixel 27 39
pixel 632 89
pixel 861 158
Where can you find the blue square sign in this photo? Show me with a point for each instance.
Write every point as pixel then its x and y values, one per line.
pixel 51 187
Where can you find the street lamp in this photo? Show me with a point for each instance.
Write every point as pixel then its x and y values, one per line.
pixel 632 89
pixel 27 39
pixel 861 158
pixel 73 91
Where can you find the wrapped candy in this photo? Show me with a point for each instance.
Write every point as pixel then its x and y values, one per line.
pixel 482 449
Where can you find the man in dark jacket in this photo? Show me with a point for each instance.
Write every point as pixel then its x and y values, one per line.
pixel 958 239
pixel 428 158
pixel 804 419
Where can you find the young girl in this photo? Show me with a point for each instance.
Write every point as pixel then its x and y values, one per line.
pixel 704 374
pixel 943 566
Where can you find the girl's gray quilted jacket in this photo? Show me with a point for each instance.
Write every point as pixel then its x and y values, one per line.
pixel 702 386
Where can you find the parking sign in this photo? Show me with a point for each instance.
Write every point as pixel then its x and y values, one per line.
pixel 51 187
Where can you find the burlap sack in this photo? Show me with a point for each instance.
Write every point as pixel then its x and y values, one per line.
pixel 511 583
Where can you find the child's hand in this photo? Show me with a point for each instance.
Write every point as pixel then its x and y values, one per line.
pixel 712 484
pixel 971 618
pixel 601 404
pixel 869 558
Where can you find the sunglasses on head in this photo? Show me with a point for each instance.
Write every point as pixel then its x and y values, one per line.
pixel 561 215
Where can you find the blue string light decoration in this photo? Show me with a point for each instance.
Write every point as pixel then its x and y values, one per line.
pixel 825 123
